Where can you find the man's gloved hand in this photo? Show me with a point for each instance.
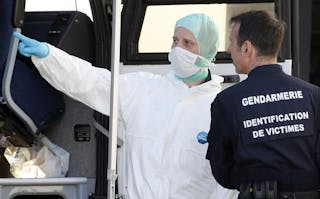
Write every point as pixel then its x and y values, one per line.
pixel 28 47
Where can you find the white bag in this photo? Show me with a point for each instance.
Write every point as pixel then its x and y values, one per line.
pixel 48 160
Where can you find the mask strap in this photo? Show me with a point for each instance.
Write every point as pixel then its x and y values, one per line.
pixel 202 62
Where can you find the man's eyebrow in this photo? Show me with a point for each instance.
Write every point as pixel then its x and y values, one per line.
pixel 186 39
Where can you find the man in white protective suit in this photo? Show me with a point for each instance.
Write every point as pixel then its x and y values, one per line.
pixel 164 120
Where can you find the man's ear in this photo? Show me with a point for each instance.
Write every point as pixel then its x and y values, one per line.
pixel 246 47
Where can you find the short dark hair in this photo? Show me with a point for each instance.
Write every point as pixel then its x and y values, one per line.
pixel 262 29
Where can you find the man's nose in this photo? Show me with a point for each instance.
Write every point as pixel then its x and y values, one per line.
pixel 228 50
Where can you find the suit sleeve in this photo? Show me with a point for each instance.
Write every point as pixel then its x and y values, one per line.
pixel 220 148
pixel 76 78
pixel 86 83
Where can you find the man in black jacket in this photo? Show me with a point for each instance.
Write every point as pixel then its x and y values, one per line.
pixel 264 131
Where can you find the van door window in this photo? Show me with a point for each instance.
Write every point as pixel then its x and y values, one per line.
pixel 157 29
pixel 59 5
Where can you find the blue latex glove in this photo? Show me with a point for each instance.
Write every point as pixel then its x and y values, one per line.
pixel 28 47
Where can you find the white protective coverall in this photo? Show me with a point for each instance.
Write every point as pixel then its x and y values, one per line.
pixel 159 120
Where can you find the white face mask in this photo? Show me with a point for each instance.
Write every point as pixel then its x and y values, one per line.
pixel 186 63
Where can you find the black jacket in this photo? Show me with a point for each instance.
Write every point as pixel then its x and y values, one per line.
pixel 266 128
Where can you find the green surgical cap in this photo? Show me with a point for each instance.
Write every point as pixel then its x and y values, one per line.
pixel 205 31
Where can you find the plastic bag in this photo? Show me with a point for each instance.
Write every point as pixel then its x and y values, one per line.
pixel 43 161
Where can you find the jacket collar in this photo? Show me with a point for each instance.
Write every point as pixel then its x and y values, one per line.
pixel 266 69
